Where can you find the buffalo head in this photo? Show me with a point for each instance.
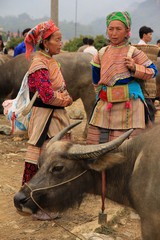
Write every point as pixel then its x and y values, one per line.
pixel 66 172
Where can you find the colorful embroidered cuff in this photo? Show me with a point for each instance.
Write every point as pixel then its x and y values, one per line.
pixel 61 99
pixel 143 72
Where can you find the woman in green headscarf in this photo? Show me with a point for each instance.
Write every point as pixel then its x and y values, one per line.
pixel 124 17
pixel 120 101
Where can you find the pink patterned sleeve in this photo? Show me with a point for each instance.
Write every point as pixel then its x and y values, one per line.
pixel 39 80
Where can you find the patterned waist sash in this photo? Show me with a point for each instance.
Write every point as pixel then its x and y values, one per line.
pixel 121 93
pixel 118 93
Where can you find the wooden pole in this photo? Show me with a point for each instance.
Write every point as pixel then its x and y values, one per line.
pixel 54 11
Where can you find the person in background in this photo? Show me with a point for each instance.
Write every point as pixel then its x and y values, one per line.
pixel 145 34
pixel 90 49
pixel 120 104
pixel 11 51
pixel 158 44
pixel 85 45
pixel 149 88
pixel 3 49
pixel 48 115
pixel 21 48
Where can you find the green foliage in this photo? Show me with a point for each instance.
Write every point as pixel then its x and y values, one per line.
pixel 4 37
pixel 14 42
pixel 100 41
pixel 73 44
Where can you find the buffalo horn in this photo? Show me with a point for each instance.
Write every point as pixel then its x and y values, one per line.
pixel 60 135
pixel 90 152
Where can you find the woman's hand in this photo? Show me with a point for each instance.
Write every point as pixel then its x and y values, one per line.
pixel 67 98
pixel 130 64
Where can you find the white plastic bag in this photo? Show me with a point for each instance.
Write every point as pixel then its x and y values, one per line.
pixel 14 114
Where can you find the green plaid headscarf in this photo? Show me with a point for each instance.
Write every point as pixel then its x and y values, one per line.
pixel 120 16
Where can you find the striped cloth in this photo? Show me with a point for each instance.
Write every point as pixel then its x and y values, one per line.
pixel 119 117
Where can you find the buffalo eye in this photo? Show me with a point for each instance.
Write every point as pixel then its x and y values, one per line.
pixel 56 169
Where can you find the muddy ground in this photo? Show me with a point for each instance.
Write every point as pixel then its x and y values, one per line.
pixel 77 223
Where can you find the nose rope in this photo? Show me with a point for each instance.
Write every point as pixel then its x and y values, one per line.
pixel 46 188
pixel 56 185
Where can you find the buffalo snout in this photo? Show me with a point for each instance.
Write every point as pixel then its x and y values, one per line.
pixel 19 200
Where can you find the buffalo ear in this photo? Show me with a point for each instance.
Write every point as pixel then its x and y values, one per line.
pixel 109 160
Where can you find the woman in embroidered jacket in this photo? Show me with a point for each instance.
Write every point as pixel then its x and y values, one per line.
pixel 120 101
pixel 48 115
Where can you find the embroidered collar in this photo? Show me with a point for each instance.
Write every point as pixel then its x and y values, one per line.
pixel 120 46
pixel 45 54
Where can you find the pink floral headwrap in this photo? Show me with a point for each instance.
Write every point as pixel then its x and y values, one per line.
pixel 39 32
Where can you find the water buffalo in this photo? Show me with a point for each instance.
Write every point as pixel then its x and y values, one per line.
pixel 76 69
pixel 4 58
pixel 67 171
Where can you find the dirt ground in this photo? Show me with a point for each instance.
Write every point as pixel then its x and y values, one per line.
pixel 77 223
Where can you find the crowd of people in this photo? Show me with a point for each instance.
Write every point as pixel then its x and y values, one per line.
pixel 119 103
pixel 88 46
